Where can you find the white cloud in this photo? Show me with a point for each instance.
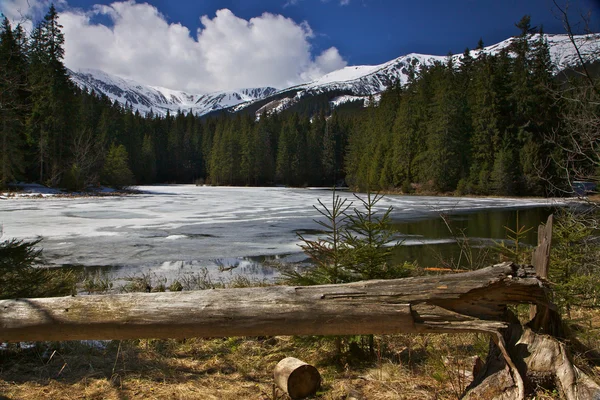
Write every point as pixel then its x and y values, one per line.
pixel 227 53
pixel 24 12
pixel 327 61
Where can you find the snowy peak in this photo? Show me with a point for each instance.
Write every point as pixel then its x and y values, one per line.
pixel 562 54
pixel 562 51
pixel 357 83
pixel 354 83
pixel 219 100
pixel 159 100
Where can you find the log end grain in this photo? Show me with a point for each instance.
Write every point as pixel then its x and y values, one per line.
pixel 297 378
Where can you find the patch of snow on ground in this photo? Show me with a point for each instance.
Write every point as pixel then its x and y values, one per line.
pixel 346 99
pixel 347 74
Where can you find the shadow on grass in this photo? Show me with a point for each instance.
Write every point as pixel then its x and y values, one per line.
pixel 151 360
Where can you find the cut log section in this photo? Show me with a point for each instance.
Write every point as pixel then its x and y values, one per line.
pixel 297 378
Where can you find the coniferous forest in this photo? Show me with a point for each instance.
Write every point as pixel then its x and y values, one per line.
pixel 477 127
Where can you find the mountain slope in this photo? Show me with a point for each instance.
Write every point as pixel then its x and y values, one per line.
pixel 161 100
pixel 350 84
pixel 359 82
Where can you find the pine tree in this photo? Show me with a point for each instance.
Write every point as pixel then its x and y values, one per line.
pixel 480 44
pixel 327 253
pixel 485 115
pixel 49 125
pixel 544 119
pixel 265 158
pixel 13 103
pixel 191 153
pixel 175 134
pixel 21 277
pixel 291 153
pixel 220 161
pixel 406 132
pixel 116 171
pixel 248 151
pixel 329 160
pixel 444 145
pixel 148 160
pixel 505 170
pixel 371 242
pixel 317 142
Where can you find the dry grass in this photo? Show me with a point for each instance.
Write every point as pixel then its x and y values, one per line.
pixel 404 367
pixel 401 367
pixel 584 328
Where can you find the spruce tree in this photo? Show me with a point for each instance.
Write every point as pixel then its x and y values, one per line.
pixel 265 158
pixel 316 143
pixel 13 104
pixel 116 172
pixel 505 170
pixel 148 160
pixel 444 146
pixel 50 127
pixel 291 153
pixel 485 115
pixel 247 152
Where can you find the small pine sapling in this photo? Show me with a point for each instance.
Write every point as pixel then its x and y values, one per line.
pixel 328 254
pixel 371 242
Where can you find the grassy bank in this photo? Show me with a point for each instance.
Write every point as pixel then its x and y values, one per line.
pixel 401 367
pixel 411 367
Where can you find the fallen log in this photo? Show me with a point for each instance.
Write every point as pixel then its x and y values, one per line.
pixel 469 302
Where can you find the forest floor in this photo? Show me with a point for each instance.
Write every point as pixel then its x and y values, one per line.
pixel 401 367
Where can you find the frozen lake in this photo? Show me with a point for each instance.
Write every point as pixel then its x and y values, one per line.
pixel 175 229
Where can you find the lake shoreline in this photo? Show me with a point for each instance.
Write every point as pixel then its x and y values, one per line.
pixel 38 191
pixel 178 229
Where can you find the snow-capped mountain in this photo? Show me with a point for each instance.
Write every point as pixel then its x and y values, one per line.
pixel 160 100
pixel 357 83
pixel 354 83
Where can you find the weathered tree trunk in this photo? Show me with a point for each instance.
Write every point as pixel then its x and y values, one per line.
pixel 297 378
pixel 469 302
pixel 523 359
pixel 520 358
pixel 538 361
pixel 544 318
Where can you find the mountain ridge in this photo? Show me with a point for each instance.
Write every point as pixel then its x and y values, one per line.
pixel 351 83
pixel 360 88
pixel 160 100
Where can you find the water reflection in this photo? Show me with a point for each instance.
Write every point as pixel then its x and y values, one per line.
pixel 435 242
pixel 431 241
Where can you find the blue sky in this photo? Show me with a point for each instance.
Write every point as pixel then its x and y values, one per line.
pixel 208 45
pixel 375 31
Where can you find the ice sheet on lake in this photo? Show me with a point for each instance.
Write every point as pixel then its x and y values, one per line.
pixel 193 225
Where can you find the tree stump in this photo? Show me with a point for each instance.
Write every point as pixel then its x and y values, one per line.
pixel 520 361
pixel 297 378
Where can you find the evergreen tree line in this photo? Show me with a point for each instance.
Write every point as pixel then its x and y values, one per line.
pixel 477 126
pixel 54 133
